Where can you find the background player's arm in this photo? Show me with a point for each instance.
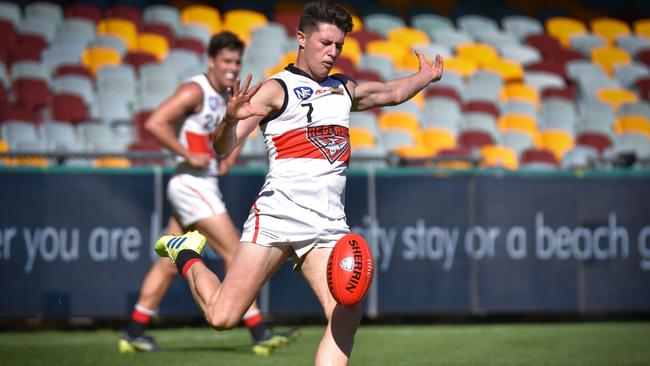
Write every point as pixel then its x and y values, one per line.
pixel 245 111
pixel 162 122
pixel 376 94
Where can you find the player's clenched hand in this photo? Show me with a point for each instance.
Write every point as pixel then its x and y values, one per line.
pixel 434 69
pixel 199 160
pixel 239 106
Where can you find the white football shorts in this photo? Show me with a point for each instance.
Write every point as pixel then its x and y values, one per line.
pixel 195 198
pixel 275 220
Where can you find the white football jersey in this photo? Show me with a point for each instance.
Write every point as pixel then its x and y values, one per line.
pixel 308 142
pixel 197 130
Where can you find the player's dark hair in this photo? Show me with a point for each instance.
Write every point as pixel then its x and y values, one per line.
pixel 325 12
pixel 224 40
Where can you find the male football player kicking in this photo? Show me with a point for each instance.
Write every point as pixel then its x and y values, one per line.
pixel 196 111
pixel 304 115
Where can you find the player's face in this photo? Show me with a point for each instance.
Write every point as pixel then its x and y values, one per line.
pixel 225 66
pixel 321 48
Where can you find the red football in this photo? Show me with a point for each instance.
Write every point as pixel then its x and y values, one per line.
pixel 350 269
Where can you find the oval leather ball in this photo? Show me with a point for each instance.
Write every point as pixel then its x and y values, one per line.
pixel 350 269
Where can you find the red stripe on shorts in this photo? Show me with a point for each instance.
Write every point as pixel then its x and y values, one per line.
pixel 257 222
pixel 201 197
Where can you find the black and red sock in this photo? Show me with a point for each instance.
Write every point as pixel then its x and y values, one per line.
pixel 140 320
pixel 255 323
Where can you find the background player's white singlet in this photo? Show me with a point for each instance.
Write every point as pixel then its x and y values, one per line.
pixel 308 146
pixel 196 131
pixel 194 193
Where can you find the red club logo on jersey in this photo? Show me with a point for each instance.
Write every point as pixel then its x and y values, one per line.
pixel 332 141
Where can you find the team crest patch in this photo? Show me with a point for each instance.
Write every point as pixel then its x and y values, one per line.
pixel 213 102
pixel 303 92
pixel 332 141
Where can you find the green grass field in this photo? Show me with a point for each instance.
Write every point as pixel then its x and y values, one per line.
pixel 511 344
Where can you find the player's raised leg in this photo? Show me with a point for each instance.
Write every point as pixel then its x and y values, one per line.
pixel 223 304
pixel 223 237
pixel 342 322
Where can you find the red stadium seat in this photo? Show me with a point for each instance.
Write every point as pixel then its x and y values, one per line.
pixel 568 93
pixel 546 45
pixel 346 65
pixel 26 47
pixel 32 94
pixel 7 34
pixel 644 57
pixel 127 12
pixel 538 156
pixel 364 36
pixel 471 139
pixel 289 20
pixel 190 44
pixel 137 59
pixel 139 121
pixel 74 70
pixel 596 140
pixel 643 86
pixel 3 96
pixel 481 106
pixel 553 67
pixel 69 108
pixel 563 56
pixel 438 91
pixel 15 112
pixel 367 75
pixel 161 29
pixel 87 11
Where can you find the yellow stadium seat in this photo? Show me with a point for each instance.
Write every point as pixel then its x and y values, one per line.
pixel 112 162
pixel 32 161
pixel 4 147
pixel 360 137
pixel 352 50
pixel 498 156
pixel 436 139
pixel 633 123
pixel 559 142
pixel 616 96
pixel 357 23
pixel 420 99
pixel 123 28
pixel 510 71
pixel 242 22
pixel 562 29
pixel 461 66
pixel 480 54
pixel 154 44
pixel 609 28
pixel 204 15
pixel 642 28
pixel 408 37
pixel 520 91
pixel 610 57
pixel 394 51
pixel 411 62
pixel 417 151
pixel 399 120
pixel 98 57
pixel 520 122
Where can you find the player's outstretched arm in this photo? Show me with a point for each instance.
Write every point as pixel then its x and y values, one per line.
pixel 245 109
pixel 376 94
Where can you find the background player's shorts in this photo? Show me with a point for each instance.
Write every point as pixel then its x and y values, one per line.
pixel 195 198
pixel 275 220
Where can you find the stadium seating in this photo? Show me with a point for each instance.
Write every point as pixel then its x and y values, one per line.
pixel 570 83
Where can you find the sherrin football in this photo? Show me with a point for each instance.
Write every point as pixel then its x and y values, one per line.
pixel 350 270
